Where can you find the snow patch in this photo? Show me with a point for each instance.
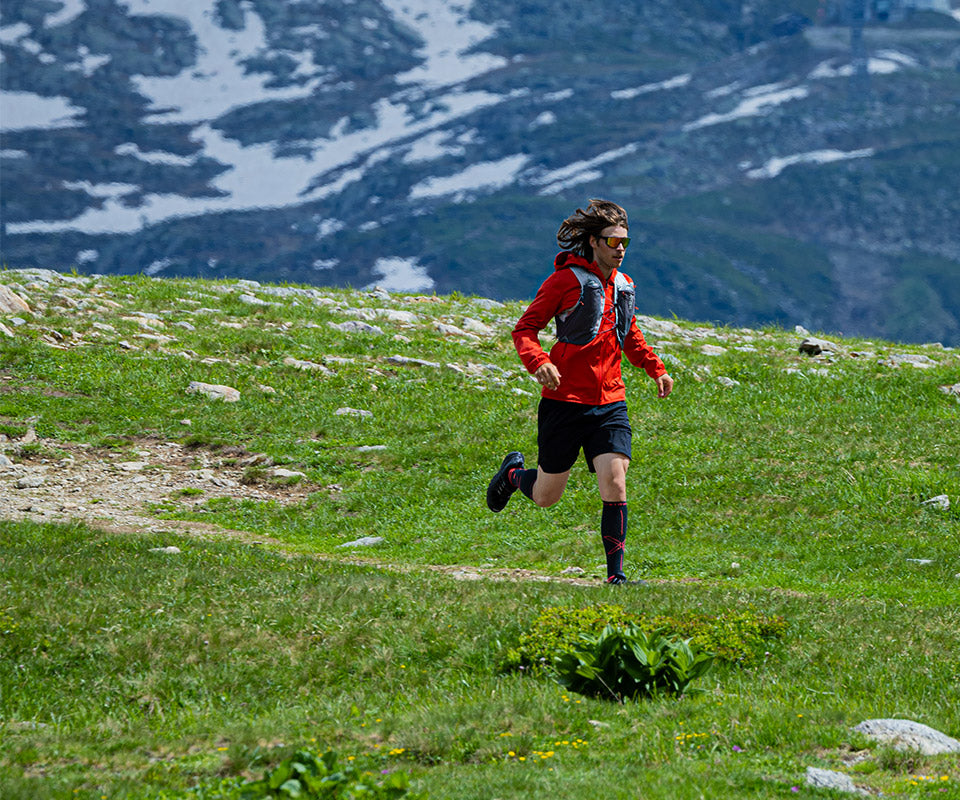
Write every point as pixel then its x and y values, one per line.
pixel 23 111
pixel 401 275
pixel 101 189
pixel 777 165
pixel 579 172
pixel 487 175
pixel 546 118
pixel 431 147
pixel 154 156
pixel 671 83
pixel 10 34
pixel 69 11
pixel 447 33
pixel 885 62
pixel 217 82
pixel 755 103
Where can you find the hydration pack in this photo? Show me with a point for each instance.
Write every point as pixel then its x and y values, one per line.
pixel 581 324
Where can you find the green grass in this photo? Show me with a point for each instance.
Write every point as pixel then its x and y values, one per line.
pixel 125 671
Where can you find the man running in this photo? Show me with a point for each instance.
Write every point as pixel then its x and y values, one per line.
pixel 583 400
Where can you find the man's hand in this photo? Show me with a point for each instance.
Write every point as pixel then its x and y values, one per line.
pixel 664 385
pixel 548 375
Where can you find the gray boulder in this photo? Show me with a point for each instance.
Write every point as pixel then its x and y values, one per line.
pixel 903 734
pixel 836 781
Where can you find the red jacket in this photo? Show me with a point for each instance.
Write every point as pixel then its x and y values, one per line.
pixel 589 373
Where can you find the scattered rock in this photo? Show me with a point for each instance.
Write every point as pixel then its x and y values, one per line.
pixel 476 326
pixel 346 411
pixel 487 304
pixel 5 462
pixel 214 391
pixel 417 362
pixel 355 326
pixel 941 501
pixel 132 466
pixel 923 562
pixel 450 330
pixel 172 550
pixel 955 389
pixel 659 327
pixel 363 541
pixel 30 482
pixel 280 472
pixel 307 365
pixel 727 381
pixel 573 571
pixel 713 350
pixel 11 302
pixel 5 330
pixel 813 346
pixel 252 300
pixel 395 315
pixel 835 781
pixel 904 734
pixel 913 359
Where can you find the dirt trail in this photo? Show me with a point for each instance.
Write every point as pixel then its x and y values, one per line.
pixel 114 492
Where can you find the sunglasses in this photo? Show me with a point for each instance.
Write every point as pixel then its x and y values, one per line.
pixel 613 242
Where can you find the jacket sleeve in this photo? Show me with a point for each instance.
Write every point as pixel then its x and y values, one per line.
pixel 640 354
pixel 553 297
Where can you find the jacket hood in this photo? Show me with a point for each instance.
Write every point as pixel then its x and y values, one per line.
pixel 567 259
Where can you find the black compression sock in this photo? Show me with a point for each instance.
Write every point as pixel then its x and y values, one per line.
pixel 523 479
pixel 613 529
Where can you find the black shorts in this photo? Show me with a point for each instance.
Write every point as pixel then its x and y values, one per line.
pixel 564 428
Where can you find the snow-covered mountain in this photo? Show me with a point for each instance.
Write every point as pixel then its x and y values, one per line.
pixel 773 172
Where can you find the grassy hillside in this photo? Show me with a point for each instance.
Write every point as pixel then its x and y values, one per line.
pixel 797 489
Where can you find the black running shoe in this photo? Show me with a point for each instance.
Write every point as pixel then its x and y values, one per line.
pixel 500 489
pixel 621 580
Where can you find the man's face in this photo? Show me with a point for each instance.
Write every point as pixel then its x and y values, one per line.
pixel 609 258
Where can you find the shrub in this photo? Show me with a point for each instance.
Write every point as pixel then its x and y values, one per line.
pixel 559 630
pixel 627 663
pixel 737 637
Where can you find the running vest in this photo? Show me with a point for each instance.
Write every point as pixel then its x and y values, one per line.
pixel 581 324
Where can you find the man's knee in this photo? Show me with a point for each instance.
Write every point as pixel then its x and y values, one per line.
pixel 548 489
pixel 546 495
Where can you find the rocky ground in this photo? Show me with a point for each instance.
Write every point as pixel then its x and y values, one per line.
pixel 106 491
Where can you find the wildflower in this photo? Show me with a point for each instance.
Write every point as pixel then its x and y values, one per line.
pixel 737 748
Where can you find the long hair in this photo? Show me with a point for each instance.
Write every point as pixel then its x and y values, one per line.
pixel 575 231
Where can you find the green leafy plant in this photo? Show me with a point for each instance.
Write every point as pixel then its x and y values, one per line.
pixel 627 663
pixel 309 776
